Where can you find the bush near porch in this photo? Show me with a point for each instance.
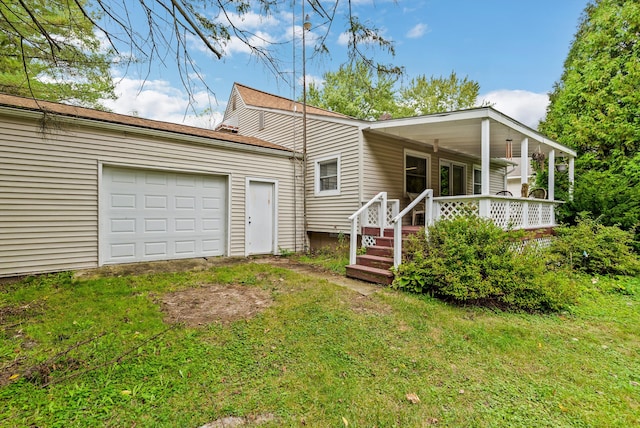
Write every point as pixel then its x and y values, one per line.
pixel 470 260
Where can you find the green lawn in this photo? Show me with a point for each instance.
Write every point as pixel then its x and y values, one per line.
pixel 320 355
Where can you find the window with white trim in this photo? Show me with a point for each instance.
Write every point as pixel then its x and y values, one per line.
pixel 416 171
pixel 452 178
pixel 327 172
pixel 477 180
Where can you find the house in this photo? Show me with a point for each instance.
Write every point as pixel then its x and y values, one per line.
pixel 360 174
pixel 77 186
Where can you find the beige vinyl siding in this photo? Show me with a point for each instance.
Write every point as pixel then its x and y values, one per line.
pixel 383 164
pixel 49 188
pixel 330 213
pixel 324 137
pixel 284 129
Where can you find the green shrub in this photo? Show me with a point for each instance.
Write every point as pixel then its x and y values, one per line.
pixel 470 260
pixel 593 248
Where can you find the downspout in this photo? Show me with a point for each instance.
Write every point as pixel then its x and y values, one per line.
pixel 304 132
pixel 295 157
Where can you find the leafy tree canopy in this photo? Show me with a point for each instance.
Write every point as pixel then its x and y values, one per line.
pixel 437 94
pixel 56 39
pixel 595 107
pixel 356 91
pixel 50 51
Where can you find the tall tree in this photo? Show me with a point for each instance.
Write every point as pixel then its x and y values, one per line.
pixel 437 94
pixel 354 90
pixel 50 51
pixel 595 108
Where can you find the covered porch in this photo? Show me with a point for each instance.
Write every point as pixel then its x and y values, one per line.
pixel 483 137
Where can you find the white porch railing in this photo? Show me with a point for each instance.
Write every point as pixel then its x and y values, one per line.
pixel 427 196
pixel 376 213
pixel 353 246
pixel 505 211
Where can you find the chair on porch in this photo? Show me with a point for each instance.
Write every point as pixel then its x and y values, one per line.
pixel 538 193
pixel 504 193
pixel 419 209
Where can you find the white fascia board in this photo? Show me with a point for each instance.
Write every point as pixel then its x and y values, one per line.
pixel 429 119
pixel 192 139
pixel 471 114
pixel 529 132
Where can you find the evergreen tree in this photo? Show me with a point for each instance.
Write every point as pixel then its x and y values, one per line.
pixel 51 52
pixel 595 108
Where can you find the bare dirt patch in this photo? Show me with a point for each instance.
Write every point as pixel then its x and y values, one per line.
pixel 165 266
pixel 214 303
pixel 367 305
pixel 234 421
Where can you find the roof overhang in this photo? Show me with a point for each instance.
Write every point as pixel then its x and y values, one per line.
pixel 460 132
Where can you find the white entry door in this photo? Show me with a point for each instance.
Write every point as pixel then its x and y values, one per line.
pixel 261 211
pixel 159 215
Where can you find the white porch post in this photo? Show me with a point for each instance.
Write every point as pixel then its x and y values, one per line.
pixel 485 144
pixel 524 162
pixel 524 178
pixel 551 184
pixel 552 174
pixel 571 176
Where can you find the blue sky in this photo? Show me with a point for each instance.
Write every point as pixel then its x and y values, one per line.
pixel 514 49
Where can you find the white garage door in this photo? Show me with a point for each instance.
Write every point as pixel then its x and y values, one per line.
pixel 155 215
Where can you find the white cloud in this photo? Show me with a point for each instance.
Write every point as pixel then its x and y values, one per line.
pixel 159 100
pixel 524 106
pixel 417 31
pixel 344 38
pixel 250 20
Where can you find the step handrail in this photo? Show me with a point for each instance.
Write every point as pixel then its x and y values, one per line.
pixel 397 222
pixel 382 213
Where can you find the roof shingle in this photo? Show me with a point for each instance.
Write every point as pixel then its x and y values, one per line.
pixel 103 116
pixel 257 98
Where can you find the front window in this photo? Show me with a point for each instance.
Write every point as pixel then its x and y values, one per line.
pixel 327 173
pixel 416 167
pixel 452 179
pixel 477 181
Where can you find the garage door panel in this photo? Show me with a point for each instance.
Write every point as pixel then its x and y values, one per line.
pixel 119 251
pixel 155 201
pixel 123 201
pixel 155 225
pixel 155 249
pixel 161 215
pixel 120 225
pixel 185 181
pixel 185 202
pixel 185 247
pixel 211 244
pixel 123 176
pixel 211 203
pixel 155 178
pixel 185 225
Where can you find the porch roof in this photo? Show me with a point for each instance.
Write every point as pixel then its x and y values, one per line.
pixel 460 131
